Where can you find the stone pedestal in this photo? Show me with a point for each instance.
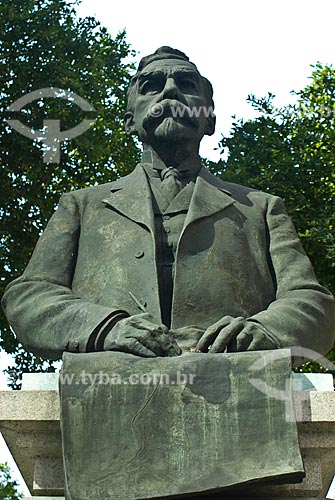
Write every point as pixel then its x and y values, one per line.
pixel 29 422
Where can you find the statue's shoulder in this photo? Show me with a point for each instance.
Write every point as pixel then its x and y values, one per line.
pixel 246 190
pixel 99 191
pixel 90 192
pixel 238 191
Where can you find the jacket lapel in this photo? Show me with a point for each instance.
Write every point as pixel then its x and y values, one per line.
pixel 209 197
pixel 131 196
pixel 182 201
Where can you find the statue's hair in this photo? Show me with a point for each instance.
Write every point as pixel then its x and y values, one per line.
pixel 165 52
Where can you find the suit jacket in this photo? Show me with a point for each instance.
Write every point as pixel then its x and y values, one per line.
pixel 238 254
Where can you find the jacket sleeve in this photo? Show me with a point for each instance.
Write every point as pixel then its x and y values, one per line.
pixel 46 316
pixel 303 313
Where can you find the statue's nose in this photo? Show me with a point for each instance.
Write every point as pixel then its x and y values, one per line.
pixel 171 90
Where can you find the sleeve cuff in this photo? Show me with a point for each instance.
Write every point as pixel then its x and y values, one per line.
pixel 99 334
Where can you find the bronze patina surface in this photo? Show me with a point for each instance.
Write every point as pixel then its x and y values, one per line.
pixel 167 263
pixel 174 426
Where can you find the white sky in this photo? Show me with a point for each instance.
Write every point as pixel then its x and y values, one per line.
pixel 241 46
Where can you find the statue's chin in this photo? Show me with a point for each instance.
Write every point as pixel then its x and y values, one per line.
pixel 172 130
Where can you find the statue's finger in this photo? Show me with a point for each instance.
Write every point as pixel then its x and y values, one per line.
pixel 142 324
pixel 211 333
pixel 226 335
pixel 166 345
pixel 243 341
pixel 174 350
pixel 133 346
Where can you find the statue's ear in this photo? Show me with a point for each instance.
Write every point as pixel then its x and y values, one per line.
pixel 210 127
pixel 129 123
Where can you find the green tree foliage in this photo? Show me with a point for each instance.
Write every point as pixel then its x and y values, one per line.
pixel 8 488
pixel 43 44
pixel 289 152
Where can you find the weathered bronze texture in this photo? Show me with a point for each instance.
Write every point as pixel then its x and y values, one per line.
pixel 175 426
pixel 169 261
pixel 120 267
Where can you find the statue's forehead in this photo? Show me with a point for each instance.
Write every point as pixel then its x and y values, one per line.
pixel 169 66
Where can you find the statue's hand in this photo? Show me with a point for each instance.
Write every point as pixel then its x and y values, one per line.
pixel 188 336
pixel 233 335
pixel 139 335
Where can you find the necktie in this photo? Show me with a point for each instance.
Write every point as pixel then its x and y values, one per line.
pixel 171 183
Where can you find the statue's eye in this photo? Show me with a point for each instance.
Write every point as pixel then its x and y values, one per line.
pixel 187 85
pixel 151 85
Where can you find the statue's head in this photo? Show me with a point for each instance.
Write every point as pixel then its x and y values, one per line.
pixel 169 100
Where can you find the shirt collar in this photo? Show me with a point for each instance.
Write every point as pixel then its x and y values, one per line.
pixel 153 164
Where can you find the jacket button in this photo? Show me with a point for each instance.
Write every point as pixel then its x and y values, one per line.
pixel 76 345
pixel 139 254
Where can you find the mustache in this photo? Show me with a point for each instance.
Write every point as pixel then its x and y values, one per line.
pixel 169 108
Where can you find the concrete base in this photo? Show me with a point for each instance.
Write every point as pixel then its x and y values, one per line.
pixel 29 422
pixel 189 498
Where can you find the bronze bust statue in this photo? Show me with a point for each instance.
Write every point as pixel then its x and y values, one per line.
pixel 170 257
pixel 167 261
